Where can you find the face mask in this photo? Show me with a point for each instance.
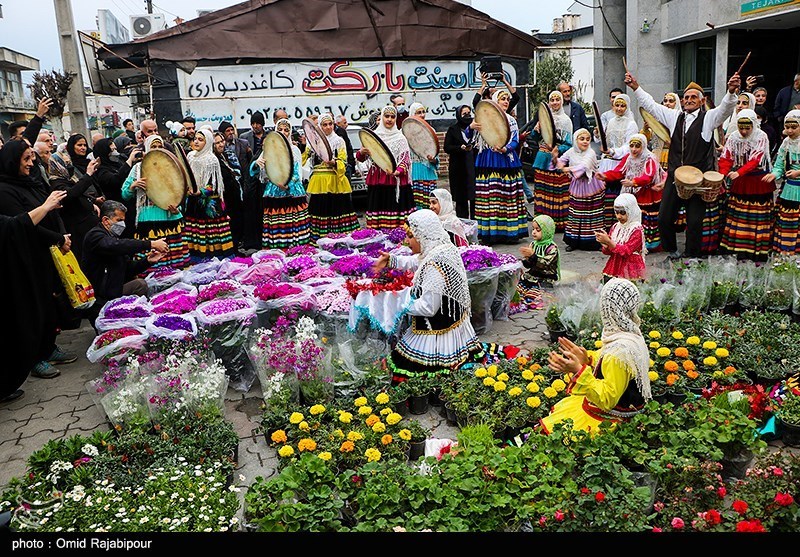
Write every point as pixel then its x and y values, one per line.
pixel 466 119
pixel 402 109
pixel 114 156
pixel 117 228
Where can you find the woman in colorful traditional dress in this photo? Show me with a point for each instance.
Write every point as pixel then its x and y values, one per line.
pixel 619 130
pixel 745 101
pixel 441 203
pixel 330 203
pixel 286 220
pixel 208 227
pixel 551 186
pixel 151 221
pixel 499 198
pixel 641 174
pixel 424 172
pixel 586 193
pixel 389 196
pixel 612 384
pixel 787 165
pixel 745 161
pixel 441 336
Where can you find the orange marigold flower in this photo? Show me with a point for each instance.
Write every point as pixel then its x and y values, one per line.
pixel 688 365
pixel 671 378
pixel 347 447
pixel 372 420
pixel 386 439
pixel 670 366
pixel 535 367
pixel 279 436
pixel 682 352
pixel 692 374
pixel 729 370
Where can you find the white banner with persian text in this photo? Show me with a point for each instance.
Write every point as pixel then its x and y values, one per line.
pixel 232 93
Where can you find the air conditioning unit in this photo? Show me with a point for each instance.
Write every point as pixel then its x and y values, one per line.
pixel 147 24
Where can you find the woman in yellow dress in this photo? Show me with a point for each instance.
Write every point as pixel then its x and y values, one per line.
pixel 612 384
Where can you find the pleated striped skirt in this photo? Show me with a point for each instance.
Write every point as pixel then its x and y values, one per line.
pixel 331 213
pixel 384 211
pixel 172 233
pixel 209 237
pixel 748 226
pixel 551 196
pixel 500 205
pixel 422 193
pixel 286 222
pixel 652 237
pixel 786 238
pixel 585 217
pixel 712 226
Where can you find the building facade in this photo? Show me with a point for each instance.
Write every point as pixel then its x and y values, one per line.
pixel 15 104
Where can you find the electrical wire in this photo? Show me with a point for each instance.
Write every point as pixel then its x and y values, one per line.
pixel 166 11
pixel 603 14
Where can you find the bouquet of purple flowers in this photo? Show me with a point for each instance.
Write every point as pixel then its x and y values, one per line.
pixel 476 258
pixel 299 264
pixel 353 265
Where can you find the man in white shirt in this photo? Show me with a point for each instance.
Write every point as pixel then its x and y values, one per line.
pixel 692 144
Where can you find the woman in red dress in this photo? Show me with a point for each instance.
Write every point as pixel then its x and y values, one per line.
pixel 625 243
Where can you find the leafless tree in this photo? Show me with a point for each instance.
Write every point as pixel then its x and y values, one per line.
pixel 52 84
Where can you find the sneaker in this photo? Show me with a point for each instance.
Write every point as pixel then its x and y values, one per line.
pixel 60 357
pixel 12 397
pixel 43 370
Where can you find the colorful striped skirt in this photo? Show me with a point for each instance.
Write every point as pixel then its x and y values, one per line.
pixel 551 196
pixel 422 193
pixel 585 217
pixel 787 226
pixel 171 231
pixel 652 237
pixel 331 213
pixel 286 222
pixel 384 211
pixel 208 237
pixel 712 226
pixel 500 205
pixel 748 226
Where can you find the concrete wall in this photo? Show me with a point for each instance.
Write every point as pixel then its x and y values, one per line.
pixel 583 66
pixel 687 17
pixel 608 69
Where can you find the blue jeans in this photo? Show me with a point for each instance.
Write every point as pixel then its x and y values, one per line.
pixel 526 188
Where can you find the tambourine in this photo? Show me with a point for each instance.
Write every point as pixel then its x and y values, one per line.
pixel 166 179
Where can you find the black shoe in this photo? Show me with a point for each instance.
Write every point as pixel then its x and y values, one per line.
pixel 530 200
pixel 12 397
pixel 672 256
pixel 569 248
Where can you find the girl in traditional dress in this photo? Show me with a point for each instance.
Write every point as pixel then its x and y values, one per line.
pixel 619 130
pixel 389 197
pixel 745 161
pixel 441 203
pixel 542 262
pixel 499 198
pixel 286 220
pixel 423 171
pixel 625 244
pixel 330 204
pixel 208 227
pixel 551 187
pixel 641 174
pixel 612 384
pixel 441 336
pixel 151 221
pixel 746 101
pixel 586 193
pixel 787 165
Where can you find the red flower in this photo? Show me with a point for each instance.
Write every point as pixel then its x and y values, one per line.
pixel 559 516
pixel 722 492
pixel 543 521
pixel 750 526
pixel 678 523
pixel 777 471
pixel 657 529
pixel 740 506
pixel 599 496
pixel 784 499
pixel 713 517
pixel 585 490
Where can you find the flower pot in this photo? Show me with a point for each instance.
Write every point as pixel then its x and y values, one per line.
pixel 645 479
pixel 731 308
pixel 677 398
pixel 451 414
pixel 462 420
pixel 660 396
pixel 736 466
pixel 418 404
pixel 555 333
pixel 416 449
pixel 790 433
pixel 433 398
pixel 401 407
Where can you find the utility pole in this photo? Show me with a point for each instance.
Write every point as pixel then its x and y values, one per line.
pixel 149 5
pixel 76 97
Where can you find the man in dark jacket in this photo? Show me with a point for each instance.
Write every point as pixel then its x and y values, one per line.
pixel 341 130
pixel 787 98
pixel 253 189
pixel 572 108
pixel 108 260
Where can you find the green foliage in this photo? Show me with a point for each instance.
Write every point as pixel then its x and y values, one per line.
pixel 789 410
pixel 550 71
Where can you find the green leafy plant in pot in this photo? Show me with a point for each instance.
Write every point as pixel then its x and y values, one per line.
pixel 788 417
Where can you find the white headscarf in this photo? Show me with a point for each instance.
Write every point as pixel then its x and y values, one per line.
pixel 562 122
pixel 334 140
pixel 622 338
pixel 617 127
pixel 742 149
pixel 587 159
pixel 791 147
pixel 621 232
pixel 412 110
pixel 634 166
pixel 730 124
pixel 441 269
pixel 392 137
pixel 677 100
pixel 205 165
pixel 447 213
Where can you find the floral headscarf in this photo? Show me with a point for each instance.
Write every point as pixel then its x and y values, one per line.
pixel 548 228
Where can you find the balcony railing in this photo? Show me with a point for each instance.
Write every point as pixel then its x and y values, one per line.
pixel 9 102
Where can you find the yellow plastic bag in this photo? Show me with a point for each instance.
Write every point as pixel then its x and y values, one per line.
pixel 79 289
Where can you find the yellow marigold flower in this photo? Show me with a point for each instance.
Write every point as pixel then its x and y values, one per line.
pixel 536 367
pixel 385 411
pixel 559 385
pixel 347 447
pixel 279 436
pixel 692 374
pixel 567 377
pixel 499 386
pixel 550 392
pixel 286 451
pixel 296 418
pixel 306 444
pixel 681 352
pixel 386 439
pixel 488 381
pixel 717 374
pixel 325 455
pixel 514 392
pixel 663 352
pixel 693 340
pixel 677 335
pixel 533 401
pixel 345 417
pixel 393 418
pixel 491 371
pixel 598 344
pixel 503 377
pixel 382 398
pixel 652 363
pixel 480 372
pixel 653 376
pixel 338 433
pixel 354 436
pixel 710 361
pixel 304 426
pixel 360 401
pixel 372 420
pixel 316 410
pixel 672 378
pixel 527 375
pixel 539 378
pixel 654 334
pixel 365 410
pixel 722 353
pixel 379 427
pixel 654 344
pixel 533 387
pixel 670 366
pixel 373 455
pixel 522 360
pixel 709 345
pixel 688 365
pixel 404 434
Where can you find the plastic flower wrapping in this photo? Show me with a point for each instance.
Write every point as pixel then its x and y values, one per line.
pixel 173 323
pixel 224 306
pixel 299 264
pixel 219 289
pixel 269 291
pixel 353 265
pixel 110 337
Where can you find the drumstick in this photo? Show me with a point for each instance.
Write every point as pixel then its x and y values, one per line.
pixel 624 63
pixel 746 58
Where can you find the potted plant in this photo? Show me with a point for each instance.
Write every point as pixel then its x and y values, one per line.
pixel 399 394
pixel 554 324
pixel 419 433
pixel 419 388
pixel 788 419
